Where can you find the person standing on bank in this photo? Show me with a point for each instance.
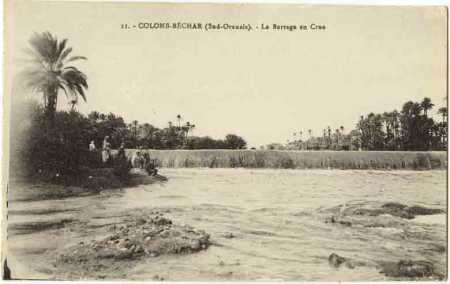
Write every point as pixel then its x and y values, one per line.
pixel 121 152
pixel 106 150
pixel 92 147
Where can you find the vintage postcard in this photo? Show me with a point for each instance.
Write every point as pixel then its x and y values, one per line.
pixel 176 141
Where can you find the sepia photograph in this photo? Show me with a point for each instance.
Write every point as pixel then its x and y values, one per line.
pixel 224 142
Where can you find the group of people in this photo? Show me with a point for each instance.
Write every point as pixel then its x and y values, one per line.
pixel 106 149
pixel 139 159
pixel 142 160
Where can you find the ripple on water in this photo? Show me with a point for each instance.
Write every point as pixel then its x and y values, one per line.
pixel 278 218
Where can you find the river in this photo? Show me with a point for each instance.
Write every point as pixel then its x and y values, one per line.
pixel 276 217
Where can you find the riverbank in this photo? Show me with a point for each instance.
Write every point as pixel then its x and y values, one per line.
pixel 20 189
pixel 385 160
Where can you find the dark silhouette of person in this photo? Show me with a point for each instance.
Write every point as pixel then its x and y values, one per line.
pixel 121 152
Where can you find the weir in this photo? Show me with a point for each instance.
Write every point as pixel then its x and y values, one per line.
pixel 381 160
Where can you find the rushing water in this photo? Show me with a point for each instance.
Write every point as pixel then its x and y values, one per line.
pixel 277 218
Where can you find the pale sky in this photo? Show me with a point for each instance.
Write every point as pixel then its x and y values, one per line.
pixel 262 85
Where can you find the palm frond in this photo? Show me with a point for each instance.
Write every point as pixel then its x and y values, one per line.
pixel 74 76
pixel 75 80
pixel 61 47
pixel 73 58
pixel 65 54
pixel 61 86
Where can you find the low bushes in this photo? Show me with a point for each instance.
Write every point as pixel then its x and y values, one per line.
pixel 56 151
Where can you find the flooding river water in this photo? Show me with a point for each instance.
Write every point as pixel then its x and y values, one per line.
pixel 277 219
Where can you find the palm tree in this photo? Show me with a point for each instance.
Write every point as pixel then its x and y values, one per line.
pixel 329 135
pixel 50 73
pixel 337 135
pixel 443 112
pixel 135 130
pixel 426 105
pixel 187 128
pixel 179 121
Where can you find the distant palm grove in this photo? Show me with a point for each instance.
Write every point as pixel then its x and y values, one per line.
pixel 178 135
pixel 411 129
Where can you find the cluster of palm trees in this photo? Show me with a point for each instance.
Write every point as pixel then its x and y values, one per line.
pixel 330 140
pixel 180 129
pixel 174 136
pixel 409 129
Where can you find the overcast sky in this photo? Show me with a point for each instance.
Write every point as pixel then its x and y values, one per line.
pixel 262 85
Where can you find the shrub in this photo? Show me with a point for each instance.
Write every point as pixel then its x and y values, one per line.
pixel 57 147
pixel 121 168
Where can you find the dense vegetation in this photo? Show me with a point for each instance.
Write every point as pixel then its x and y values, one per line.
pixel 145 135
pixel 411 129
pixel 60 145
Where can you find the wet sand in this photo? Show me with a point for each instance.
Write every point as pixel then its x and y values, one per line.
pixel 264 224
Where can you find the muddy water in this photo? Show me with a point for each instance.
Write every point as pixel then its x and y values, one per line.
pixel 276 217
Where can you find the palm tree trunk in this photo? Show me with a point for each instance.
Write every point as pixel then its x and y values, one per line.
pixel 51 101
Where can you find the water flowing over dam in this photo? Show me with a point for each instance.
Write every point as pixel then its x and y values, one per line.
pixel 297 159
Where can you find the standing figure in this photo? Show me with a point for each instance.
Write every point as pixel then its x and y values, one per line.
pixel 121 152
pixel 92 147
pixel 142 158
pixel 106 150
pixel 137 157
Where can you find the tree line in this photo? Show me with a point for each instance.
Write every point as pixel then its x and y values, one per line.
pixel 174 136
pixel 410 129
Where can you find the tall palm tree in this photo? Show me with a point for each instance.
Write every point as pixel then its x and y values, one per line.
pixel 187 127
pixel 426 105
pixel 135 130
pixel 443 111
pixel 50 72
pixel 179 121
